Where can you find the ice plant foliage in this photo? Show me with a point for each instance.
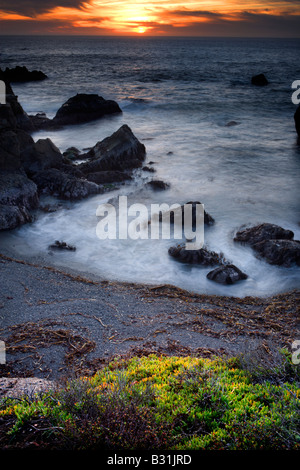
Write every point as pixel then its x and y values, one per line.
pixel 162 402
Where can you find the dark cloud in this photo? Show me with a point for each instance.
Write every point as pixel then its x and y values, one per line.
pixel 31 8
pixel 194 13
pixel 48 27
pixel 245 24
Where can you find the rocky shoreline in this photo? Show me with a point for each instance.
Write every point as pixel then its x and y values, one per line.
pixel 29 169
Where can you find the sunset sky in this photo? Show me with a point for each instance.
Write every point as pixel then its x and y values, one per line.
pixel 277 18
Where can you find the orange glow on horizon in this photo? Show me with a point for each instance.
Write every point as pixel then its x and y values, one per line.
pixel 143 17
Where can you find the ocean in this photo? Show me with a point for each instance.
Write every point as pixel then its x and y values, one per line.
pixel 178 96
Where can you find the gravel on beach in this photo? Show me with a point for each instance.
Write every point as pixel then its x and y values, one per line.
pixel 58 324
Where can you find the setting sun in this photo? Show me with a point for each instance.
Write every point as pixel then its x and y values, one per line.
pixel 140 30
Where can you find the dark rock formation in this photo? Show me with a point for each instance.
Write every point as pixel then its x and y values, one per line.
pixel 63 185
pixel 279 252
pixel 72 153
pixel 121 151
pixel 262 232
pixel 259 80
pixel 158 185
pixel 29 168
pixel 202 256
pixel 40 156
pixel 231 124
pixel 227 274
pixel 208 219
pixel 149 169
pixel 297 120
pixel 104 177
pixel 40 121
pixel 22 74
pixel 18 196
pixel 62 246
pixel 84 108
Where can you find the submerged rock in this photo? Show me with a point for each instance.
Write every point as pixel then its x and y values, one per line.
pixel 259 80
pixel 262 232
pixel 158 185
pixel 121 151
pixel 279 252
pixel 62 246
pixel 84 108
pixel 228 274
pixel 202 256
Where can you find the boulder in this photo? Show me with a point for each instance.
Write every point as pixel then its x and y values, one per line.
pixel 22 74
pixel 297 120
pixel 227 274
pixel 18 196
pixel 84 108
pixel 158 185
pixel 208 219
pixel 63 185
pixel 121 151
pixel 202 256
pixel 262 232
pixel 259 80
pixel 13 216
pixel 279 252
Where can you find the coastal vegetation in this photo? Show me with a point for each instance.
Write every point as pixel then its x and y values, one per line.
pixel 161 402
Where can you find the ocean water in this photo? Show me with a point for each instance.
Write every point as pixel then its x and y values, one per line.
pixel 178 96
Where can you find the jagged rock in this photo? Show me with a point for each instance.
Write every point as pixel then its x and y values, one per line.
pixel 83 108
pixel 62 246
pixel 262 232
pixel 22 74
pixel 202 256
pixel 227 274
pixel 121 151
pixel 279 252
pixel 40 156
pixel 63 185
pixel 259 80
